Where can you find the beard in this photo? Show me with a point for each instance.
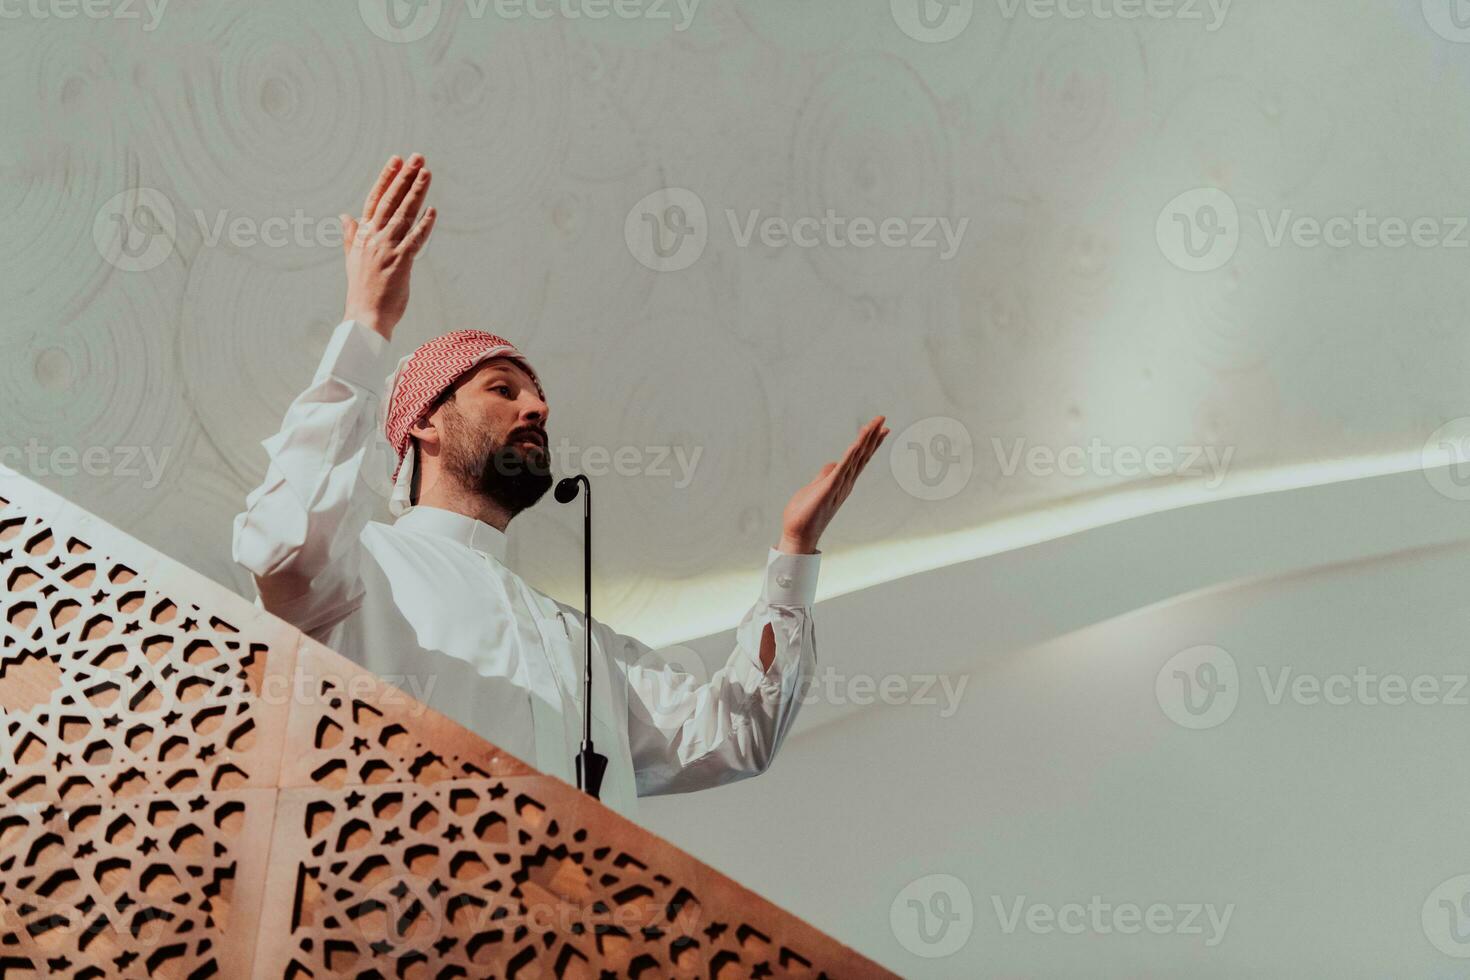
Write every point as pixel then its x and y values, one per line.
pixel 514 475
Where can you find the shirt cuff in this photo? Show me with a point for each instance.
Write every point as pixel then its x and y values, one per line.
pixel 791 580
pixel 355 354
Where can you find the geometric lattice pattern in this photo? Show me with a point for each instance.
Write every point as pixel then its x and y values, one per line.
pixel 190 788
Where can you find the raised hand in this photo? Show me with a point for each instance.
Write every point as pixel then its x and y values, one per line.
pixel 813 506
pixel 382 243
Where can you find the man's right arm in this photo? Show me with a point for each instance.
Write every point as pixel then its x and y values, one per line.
pixel 300 532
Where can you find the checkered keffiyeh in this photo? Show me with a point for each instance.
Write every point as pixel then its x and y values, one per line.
pixel 430 371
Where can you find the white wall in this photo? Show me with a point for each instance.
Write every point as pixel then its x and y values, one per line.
pixel 1060 775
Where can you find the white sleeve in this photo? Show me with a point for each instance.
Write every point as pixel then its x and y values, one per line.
pixel 299 532
pixel 686 735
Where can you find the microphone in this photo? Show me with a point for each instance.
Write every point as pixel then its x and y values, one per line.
pixel 590 765
pixel 566 490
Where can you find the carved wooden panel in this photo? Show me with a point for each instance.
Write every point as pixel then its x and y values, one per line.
pixel 155 885
pixel 189 788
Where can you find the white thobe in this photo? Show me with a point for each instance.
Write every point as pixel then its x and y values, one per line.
pixel 428 603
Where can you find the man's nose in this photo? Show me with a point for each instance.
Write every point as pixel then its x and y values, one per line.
pixel 536 410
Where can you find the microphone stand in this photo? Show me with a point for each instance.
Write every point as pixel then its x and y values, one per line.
pixel 591 766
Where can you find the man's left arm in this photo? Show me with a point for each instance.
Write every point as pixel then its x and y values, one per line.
pixel 686 735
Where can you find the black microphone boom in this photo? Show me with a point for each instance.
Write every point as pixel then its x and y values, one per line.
pixel 590 765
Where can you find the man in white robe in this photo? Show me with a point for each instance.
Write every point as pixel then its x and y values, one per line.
pixel 427 601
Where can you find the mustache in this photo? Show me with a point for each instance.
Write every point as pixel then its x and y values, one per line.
pixel 534 431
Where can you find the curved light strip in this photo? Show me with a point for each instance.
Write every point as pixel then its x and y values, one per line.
pixel 688 609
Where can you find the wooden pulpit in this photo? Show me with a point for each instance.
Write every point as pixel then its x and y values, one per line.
pixel 190 788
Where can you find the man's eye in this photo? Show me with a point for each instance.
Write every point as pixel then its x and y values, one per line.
pixel 504 388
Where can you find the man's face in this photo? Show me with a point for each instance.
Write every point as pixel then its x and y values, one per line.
pixel 494 435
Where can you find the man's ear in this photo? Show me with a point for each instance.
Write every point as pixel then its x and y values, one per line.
pixel 426 432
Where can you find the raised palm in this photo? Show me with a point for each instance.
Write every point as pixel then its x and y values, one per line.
pixel 812 507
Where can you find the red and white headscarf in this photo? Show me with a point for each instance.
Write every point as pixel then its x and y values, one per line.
pixel 417 383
